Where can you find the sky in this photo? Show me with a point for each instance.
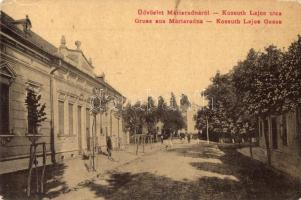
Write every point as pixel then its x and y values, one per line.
pixel 156 59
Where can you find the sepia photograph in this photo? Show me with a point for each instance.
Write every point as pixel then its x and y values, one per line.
pixel 150 100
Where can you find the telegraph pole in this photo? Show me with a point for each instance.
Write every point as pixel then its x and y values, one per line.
pixel 207 130
pixel 207 122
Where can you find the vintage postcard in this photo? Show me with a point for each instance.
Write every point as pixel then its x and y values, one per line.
pixel 150 99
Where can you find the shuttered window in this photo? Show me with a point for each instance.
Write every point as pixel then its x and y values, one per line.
pixel 298 117
pixel 284 130
pixel 61 117
pixel 70 109
pixel 4 109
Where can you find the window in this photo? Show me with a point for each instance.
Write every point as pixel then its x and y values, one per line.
pixel 7 76
pixel 61 117
pixel 260 128
pixel 88 128
pixel 29 119
pixel 4 109
pixel 70 109
pixel 100 124
pixel 266 126
pixel 298 121
pixel 274 133
pixel 284 130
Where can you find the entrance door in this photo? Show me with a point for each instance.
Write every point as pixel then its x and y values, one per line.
pixel 274 133
pixel 299 120
pixel 4 109
pixel 88 128
pixel 79 128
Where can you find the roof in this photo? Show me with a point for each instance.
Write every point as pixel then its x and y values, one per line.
pixel 39 42
pixel 29 35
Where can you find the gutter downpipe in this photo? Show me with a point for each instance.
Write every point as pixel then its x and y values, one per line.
pixel 52 138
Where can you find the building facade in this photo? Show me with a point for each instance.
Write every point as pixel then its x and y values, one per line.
pixel 284 140
pixel 65 79
pixel 188 114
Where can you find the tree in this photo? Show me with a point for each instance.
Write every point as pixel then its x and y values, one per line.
pixel 184 102
pixel 263 84
pixel 173 101
pixel 161 109
pixel 151 114
pixel 173 121
pixel 36 111
pixel 204 118
pixel 290 78
pixel 148 114
pixel 258 81
pixel 130 119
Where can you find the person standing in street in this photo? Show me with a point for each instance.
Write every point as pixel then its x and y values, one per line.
pixel 188 138
pixel 161 138
pixel 170 140
pixel 199 137
pixel 109 147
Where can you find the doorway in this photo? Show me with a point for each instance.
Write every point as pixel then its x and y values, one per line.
pixel 88 128
pixel 79 128
pixel 274 133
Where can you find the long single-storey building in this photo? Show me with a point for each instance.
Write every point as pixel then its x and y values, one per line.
pixel 284 139
pixel 65 79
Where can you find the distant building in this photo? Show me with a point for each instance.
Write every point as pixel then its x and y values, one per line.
pixel 65 79
pixel 159 129
pixel 284 137
pixel 188 113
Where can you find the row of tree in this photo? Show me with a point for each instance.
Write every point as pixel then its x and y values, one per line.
pixel 264 83
pixel 143 117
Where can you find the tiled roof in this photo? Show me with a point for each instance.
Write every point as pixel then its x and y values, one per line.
pixel 28 35
pixel 35 39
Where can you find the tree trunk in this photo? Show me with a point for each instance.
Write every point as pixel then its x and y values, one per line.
pixel 251 150
pixel 298 120
pixel 267 143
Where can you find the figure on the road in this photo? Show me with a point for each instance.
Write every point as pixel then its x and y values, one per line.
pixel 188 137
pixel 109 147
pixel 170 140
pixel 199 137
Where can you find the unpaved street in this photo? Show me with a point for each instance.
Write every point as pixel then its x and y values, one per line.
pixel 189 172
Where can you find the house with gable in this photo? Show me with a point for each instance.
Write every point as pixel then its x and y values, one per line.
pixel 65 79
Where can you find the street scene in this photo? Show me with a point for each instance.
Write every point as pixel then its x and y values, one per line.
pixel 184 171
pixel 189 171
pixel 150 100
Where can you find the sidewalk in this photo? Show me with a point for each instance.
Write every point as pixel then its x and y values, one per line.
pixel 280 163
pixel 71 174
pixel 258 153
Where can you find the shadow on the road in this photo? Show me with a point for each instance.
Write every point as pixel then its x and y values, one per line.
pixel 150 186
pixel 254 180
pixel 213 167
pixel 194 152
pixel 13 185
pixel 258 180
pixel 55 185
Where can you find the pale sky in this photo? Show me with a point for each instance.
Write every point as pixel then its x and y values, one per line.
pixel 143 59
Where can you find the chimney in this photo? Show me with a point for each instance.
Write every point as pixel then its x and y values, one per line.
pixel 23 24
pixel 90 61
pixel 27 23
pixel 101 76
pixel 63 42
pixel 77 44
